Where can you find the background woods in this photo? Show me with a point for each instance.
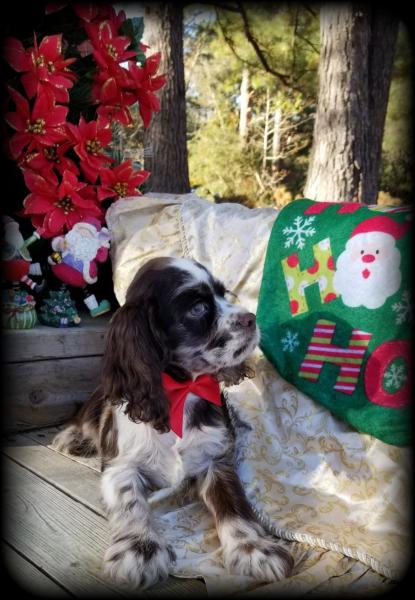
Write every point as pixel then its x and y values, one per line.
pixel 289 100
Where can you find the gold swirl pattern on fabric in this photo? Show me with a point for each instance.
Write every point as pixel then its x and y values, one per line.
pixel 336 497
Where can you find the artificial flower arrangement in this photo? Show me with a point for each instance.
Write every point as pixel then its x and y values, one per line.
pixel 69 88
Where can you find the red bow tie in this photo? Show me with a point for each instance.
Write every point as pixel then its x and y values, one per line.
pixel 205 386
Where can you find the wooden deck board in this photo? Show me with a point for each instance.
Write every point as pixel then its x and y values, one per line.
pixel 45 436
pixel 28 578
pixel 55 525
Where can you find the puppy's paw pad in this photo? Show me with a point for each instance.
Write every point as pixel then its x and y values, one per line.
pixel 138 562
pixel 262 559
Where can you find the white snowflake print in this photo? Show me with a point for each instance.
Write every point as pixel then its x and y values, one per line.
pixel 395 376
pixel 290 341
pixel 403 309
pixel 298 232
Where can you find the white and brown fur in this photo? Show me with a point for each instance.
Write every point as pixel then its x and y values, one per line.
pixel 175 319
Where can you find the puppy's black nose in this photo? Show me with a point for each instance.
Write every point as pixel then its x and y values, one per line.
pixel 246 320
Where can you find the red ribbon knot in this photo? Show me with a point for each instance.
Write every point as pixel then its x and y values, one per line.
pixel 205 386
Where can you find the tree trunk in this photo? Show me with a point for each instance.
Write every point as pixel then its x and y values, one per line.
pixel 244 106
pixel 276 139
pixel 356 60
pixel 165 139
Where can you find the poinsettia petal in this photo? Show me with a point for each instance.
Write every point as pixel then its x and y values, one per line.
pixel 56 220
pixel 35 204
pixel 139 177
pixel 90 173
pixel 105 32
pixel 29 82
pixel 145 114
pixel 123 115
pixel 61 94
pixel 73 218
pixel 51 46
pixel 109 90
pixel 105 137
pixel 128 54
pixel 40 184
pixel 67 164
pixel 37 222
pixel 152 63
pixel 57 116
pixel 158 82
pixel 15 55
pixel 104 192
pixel 22 105
pixel 87 11
pixel 17 143
pixel 84 203
pixel 43 104
pixel 15 120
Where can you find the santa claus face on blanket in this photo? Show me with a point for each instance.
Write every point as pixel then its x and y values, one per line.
pixel 368 270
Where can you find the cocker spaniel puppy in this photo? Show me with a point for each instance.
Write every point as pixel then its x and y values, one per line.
pixel 158 420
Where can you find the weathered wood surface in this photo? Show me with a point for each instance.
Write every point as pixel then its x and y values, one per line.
pixel 45 436
pixel 72 478
pixel 53 520
pixel 44 342
pixel 47 392
pixel 48 372
pixel 27 578
pixel 55 533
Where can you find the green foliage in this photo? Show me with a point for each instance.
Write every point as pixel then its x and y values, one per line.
pixel 223 165
pixel 134 29
pixel 396 176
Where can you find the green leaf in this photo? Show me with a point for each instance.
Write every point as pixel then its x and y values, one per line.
pixel 134 29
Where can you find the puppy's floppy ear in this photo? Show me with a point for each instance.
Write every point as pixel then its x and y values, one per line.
pixel 133 360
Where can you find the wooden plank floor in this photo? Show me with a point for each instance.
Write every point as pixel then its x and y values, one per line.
pixel 55 532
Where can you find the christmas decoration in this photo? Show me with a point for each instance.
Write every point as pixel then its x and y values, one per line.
pixel 75 260
pixel 18 309
pixel 59 310
pixel 75 78
pixel 17 263
pixel 335 308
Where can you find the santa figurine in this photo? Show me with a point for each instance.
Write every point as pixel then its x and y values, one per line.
pixel 368 270
pixel 17 263
pixel 75 259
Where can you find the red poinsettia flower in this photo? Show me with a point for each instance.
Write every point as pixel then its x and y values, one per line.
pixel 121 181
pixel 54 207
pixel 89 140
pixel 43 125
pixel 145 84
pixel 45 158
pixel 90 12
pixel 112 100
pixel 109 47
pixel 42 66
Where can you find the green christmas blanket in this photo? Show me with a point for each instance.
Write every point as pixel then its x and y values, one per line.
pixel 335 310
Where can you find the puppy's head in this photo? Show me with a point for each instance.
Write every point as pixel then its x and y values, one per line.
pixel 176 318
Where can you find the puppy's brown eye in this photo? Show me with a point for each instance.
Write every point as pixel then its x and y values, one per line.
pixel 199 309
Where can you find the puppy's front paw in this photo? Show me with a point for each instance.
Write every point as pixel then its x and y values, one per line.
pixel 138 562
pixel 252 553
